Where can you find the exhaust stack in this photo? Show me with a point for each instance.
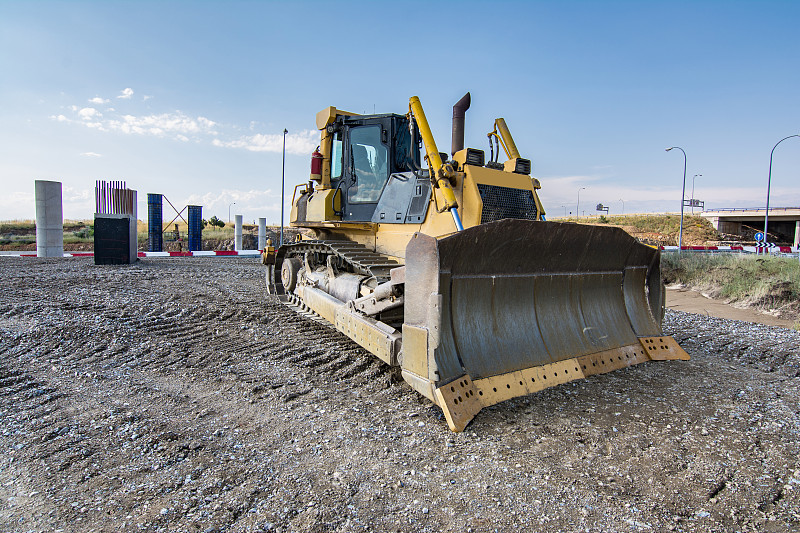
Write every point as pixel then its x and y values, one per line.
pixel 459 111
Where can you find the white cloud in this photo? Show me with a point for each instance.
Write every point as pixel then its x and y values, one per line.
pixel 179 126
pixel 227 196
pixel 160 125
pixel 296 143
pixel 16 205
pixel 146 97
pixel 175 125
pixel 204 122
pixel 91 154
pixel 252 204
pixel 73 195
pixel 88 112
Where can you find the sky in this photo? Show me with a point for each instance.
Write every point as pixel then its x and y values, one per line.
pixel 190 99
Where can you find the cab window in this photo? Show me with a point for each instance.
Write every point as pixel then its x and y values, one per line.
pixel 368 157
pixel 336 157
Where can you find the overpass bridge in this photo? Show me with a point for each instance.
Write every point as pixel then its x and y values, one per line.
pixel 784 222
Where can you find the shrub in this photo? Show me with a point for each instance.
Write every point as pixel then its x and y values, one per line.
pixel 215 222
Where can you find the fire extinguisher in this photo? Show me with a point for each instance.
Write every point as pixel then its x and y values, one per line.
pixel 316 165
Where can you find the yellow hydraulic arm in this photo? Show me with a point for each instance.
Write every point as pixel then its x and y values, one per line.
pixel 441 173
pixel 502 133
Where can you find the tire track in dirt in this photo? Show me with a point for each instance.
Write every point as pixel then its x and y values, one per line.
pixel 182 399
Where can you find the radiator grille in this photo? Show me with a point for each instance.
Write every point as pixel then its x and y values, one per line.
pixel 505 202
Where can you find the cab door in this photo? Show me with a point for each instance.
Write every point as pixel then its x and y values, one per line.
pixel 366 167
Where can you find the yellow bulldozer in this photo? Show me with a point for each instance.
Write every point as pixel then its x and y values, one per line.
pixel 446 266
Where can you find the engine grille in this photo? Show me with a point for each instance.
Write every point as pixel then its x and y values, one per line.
pixel 505 202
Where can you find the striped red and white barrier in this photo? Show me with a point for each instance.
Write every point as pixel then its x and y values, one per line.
pixel 208 253
pixel 205 253
pixel 746 249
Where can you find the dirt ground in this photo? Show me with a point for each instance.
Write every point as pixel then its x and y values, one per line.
pixel 691 301
pixel 173 395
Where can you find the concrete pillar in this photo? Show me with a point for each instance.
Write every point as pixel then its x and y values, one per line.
pixel 49 219
pixel 797 234
pixel 237 233
pixel 262 233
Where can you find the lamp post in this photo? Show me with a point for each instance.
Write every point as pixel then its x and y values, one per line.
pixel 769 179
pixel 692 200
pixel 578 207
pixel 229 211
pixel 683 194
pixel 623 205
pixel 283 175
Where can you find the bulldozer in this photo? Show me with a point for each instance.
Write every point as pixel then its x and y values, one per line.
pixel 446 266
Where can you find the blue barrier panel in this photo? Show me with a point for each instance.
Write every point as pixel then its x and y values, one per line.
pixel 154 223
pixel 195 228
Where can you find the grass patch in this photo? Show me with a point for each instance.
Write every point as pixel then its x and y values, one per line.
pixel 695 228
pixel 764 282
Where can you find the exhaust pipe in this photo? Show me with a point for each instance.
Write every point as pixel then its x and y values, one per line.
pixel 458 123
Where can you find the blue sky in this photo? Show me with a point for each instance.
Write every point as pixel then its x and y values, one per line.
pixel 190 99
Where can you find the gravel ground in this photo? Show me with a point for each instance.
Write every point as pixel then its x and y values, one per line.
pixel 173 395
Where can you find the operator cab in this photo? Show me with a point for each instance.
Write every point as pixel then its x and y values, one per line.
pixel 366 152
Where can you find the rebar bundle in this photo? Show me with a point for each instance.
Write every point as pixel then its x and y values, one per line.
pixel 113 197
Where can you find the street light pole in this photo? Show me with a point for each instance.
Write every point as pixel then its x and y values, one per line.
pixel 283 175
pixel 692 200
pixel 769 179
pixel 683 194
pixel 229 211
pixel 578 207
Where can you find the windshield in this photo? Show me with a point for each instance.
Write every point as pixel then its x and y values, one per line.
pixel 369 162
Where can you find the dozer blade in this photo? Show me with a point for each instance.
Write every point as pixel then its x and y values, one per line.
pixel 511 307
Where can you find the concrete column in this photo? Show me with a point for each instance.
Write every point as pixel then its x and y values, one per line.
pixel 797 234
pixel 49 219
pixel 237 233
pixel 262 233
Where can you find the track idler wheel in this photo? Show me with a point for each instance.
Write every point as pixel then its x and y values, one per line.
pixel 289 270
